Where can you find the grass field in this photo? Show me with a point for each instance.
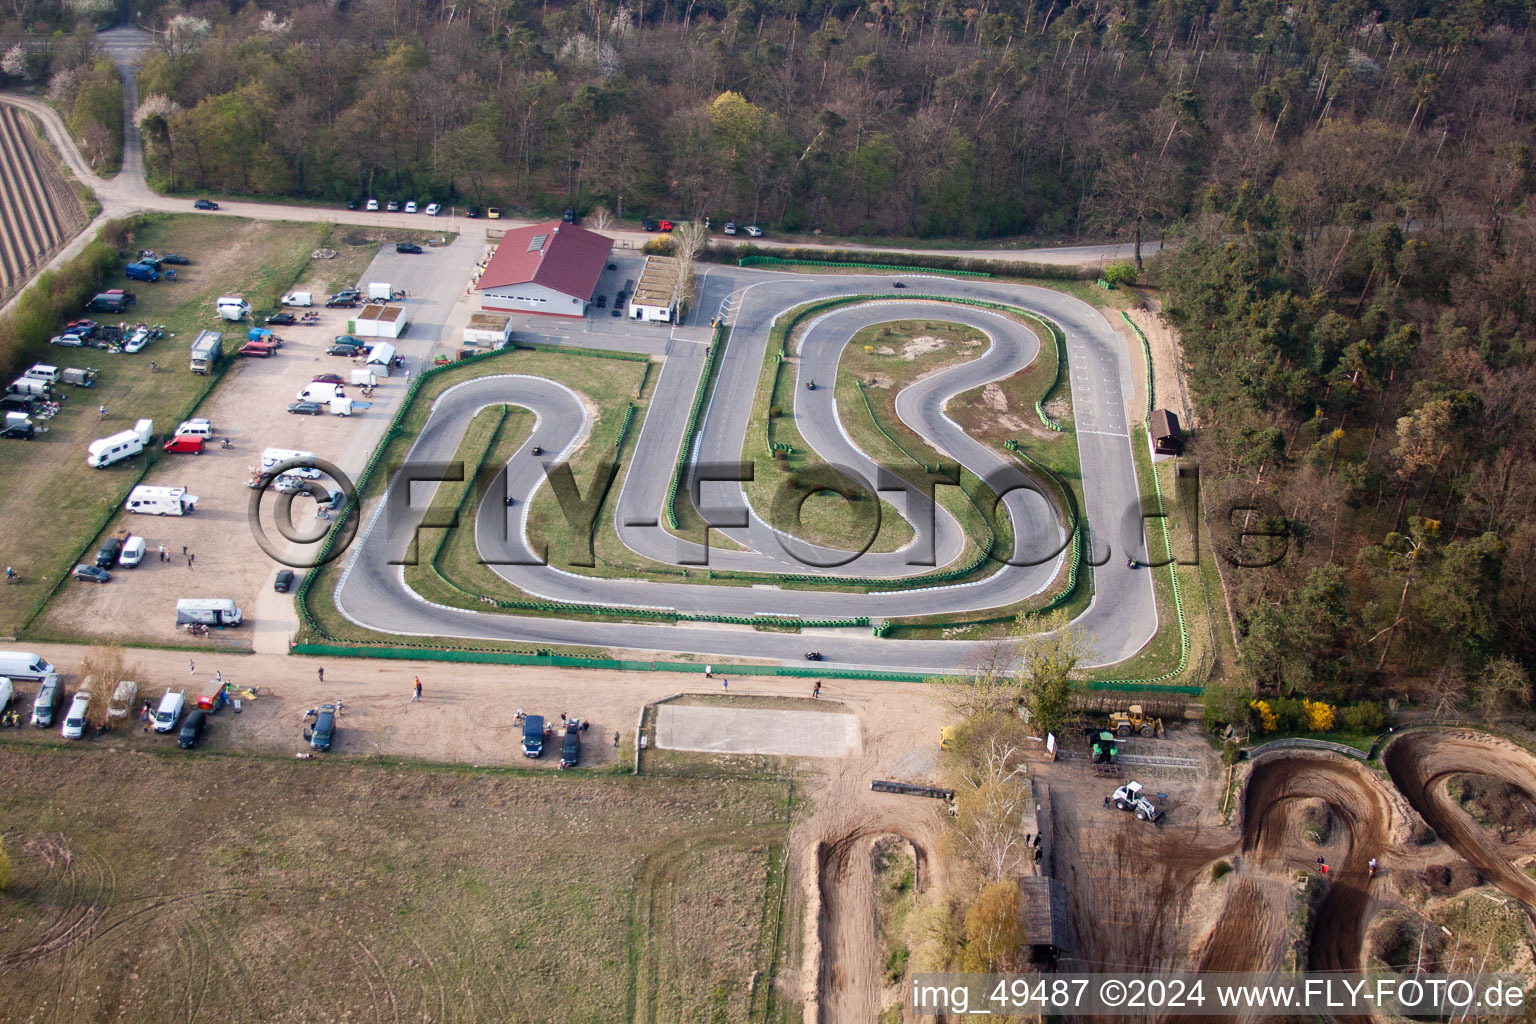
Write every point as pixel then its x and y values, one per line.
pixel 49 475
pixel 161 887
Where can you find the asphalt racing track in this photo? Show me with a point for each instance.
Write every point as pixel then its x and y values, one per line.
pixel 1121 618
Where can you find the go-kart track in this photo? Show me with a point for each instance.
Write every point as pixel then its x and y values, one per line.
pixel 1121 619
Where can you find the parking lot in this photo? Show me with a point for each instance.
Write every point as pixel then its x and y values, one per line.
pixel 250 408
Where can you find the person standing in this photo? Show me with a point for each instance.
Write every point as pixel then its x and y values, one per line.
pixel 416 694
pixel 190 560
pixel 725 684
pixel 322 674
pixel 103 412
pixel 191 667
pixel 816 690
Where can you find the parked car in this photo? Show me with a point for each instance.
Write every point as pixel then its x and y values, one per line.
pixel 493 213
pixel 175 259
pixel 410 207
pixel 323 731
pixel 410 248
pixel 184 445
pixel 647 225
pixel 192 729
pixel 85 327
pixel 730 227
pixel 569 216
pixel 91 573
pixel 169 711
pixel 346 350
pixel 666 225
pixel 50 697
pixel 108 553
pixel 433 209
pixel 133 552
pixel 282 320
pixel 328 378
pixel 74 719
pixel 602 301
pixel 264 349
pixel 141 337
pixel 342 300
pixel 473 213
pixel 373 204
pixel 205 204
pixel 19 431
pixel 283 581
pixel 570 748
pixel 349 339
pixel 754 231
pixel 306 408
pixel 393 206
pixel 67 340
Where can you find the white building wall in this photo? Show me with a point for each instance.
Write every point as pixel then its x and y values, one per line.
pixel 531 298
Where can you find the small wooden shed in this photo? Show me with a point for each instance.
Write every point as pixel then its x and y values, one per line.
pixel 1167 438
pixel 1043 915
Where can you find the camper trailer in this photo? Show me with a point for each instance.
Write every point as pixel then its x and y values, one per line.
pixel 161 501
pixel 206 351
pixel 125 444
pixel 207 611
pixel 272 456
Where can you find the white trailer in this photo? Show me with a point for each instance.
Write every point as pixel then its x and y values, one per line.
pixel 341 406
pixel 103 452
pixel 272 456
pixel 161 501
pixel 379 290
pixel 24 665
pixel 364 378
pixel 233 307
pixel 207 611
pixel 145 429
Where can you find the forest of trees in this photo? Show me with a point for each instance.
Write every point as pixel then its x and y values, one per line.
pixel 1345 185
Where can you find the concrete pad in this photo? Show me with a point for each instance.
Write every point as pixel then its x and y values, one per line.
pixel 729 730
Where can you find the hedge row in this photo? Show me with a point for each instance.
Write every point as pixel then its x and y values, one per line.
pixel 727 253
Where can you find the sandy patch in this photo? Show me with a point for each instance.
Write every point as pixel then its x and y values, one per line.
pixel 922 345
pixel 879 382
pixel 886 350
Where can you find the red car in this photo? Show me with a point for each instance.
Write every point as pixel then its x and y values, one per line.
pixel 666 225
pixel 328 378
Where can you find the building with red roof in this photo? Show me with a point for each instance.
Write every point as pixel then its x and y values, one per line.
pixel 547 268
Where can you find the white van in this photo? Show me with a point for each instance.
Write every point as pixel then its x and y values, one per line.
pixel 29 386
pixel 103 452
pixel 272 456
pixel 24 665
pixel 44 372
pixel 161 501
pixel 233 307
pixel 195 428
pixel 207 611
pixel 74 719
pixel 169 710
pixel 133 552
pixel 299 299
pixel 322 393
pixel 7 691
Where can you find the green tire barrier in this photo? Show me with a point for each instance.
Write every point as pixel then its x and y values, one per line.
pixel 629 419
pixel 685 450
pixel 774 261
pixel 1146 354
pixel 1059 340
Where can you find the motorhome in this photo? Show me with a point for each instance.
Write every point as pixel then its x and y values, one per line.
pixel 161 501
pixel 24 665
pixel 206 351
pixel 207 611
pixel 105 451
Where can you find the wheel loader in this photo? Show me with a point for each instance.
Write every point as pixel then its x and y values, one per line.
pixel 1133 720
pixel 1128 798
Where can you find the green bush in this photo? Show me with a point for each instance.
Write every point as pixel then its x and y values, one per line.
pixel 1365 717
pixel 1220 870
pixel 1121 273
pixel 1290 713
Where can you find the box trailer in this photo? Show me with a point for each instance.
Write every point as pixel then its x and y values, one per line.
pixel 105 451
pixel 161 501
pixel 207 611
pixel 85 378
pixel 364 378
pixel 299 299
pixel 341 406
pixel 233 307
pixel 379 290
pixel 207 350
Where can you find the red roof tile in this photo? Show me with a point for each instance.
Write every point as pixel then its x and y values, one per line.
pixel 568 259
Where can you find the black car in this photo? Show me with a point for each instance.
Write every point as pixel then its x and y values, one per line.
pixel 349 339
pixel 307 408
pixel 192 729
pixel 602 301
pixel 175 259
pixel 347 298
pixel 282 319
pixel 569 216
pixel 345 350
pixel 205 204
pixel 91 573
pixel 352 204
pixel 472 213
pixel 410 248
pixel 647 225
pixel 323 731
pixel 108 553
pixel 283 581
pixel 570 749
pixel 900 285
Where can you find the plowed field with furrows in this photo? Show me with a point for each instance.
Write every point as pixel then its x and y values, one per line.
pixel 39 211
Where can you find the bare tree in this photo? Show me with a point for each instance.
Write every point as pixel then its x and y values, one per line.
pixel 101 670
pixel 688 240
pixel 601 218
pixel 991 807
pixel 985 684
